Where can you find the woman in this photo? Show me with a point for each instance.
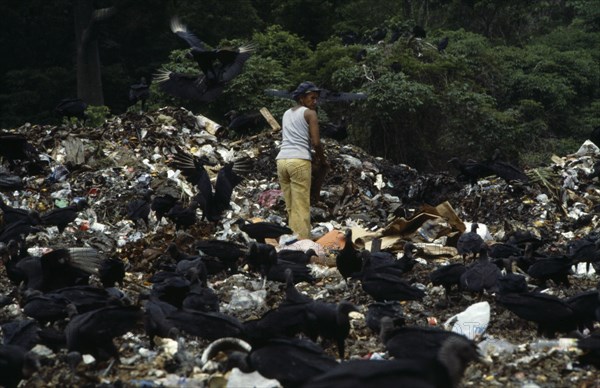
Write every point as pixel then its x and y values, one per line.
pixel 300 131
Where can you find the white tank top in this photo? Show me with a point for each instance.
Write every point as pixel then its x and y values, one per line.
pixel 295 133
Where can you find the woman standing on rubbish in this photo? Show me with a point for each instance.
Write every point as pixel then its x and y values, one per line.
pixel 300 130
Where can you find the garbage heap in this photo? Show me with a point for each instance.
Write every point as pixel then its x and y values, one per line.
pixel 111 164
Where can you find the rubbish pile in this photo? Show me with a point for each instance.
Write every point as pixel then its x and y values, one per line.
pixel 382 203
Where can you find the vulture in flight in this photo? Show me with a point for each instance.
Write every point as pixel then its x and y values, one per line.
pixel 217 66
pixel 324 96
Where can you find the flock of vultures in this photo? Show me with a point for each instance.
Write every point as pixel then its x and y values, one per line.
pixel 72 300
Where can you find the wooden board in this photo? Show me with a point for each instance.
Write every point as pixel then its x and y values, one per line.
pixel 270 119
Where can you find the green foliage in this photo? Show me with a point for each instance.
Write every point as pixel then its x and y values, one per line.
pixel 246 92
pixel 96 115
pixel 282 46
pixel 587 13
pixel 328 57
pixel 30 95
pixel 516 75
pixel 362 15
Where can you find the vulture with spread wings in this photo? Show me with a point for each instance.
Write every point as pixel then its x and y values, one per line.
pixel 217 66
pixel 324 96
pixel 213 204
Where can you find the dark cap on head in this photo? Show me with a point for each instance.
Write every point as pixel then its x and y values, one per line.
pixel 303 88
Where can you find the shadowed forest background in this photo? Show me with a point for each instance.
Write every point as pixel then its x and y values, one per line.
pixel 521 76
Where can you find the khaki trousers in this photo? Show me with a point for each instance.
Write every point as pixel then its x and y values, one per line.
pixel 294 178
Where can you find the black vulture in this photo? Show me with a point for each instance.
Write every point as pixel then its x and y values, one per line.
pixel 397 32
pixel 15 147
pixel 585 305
pixel 324 96
pixel 285 321
pixel 292 295
pixel 396 67
pixel 296 256
pixel 161 204
pixel 360 55
pixel 595 136
pixel 54 305
pixel 505 170
pixel 200 297
pixel 446 370
pixel 447 276
pixel 386 286
pixel 178 255
pixel 244 123
pixel 22 332
pixel 301 272
pixel 512 282
pixel 348 260
pixel 349 37
pixel 470 170
pixel 45 307
pixel 419 32
pixel 60 268
pixel 208 325
pixel 291 361
pixel 337 131
pixel 229 252
pixel 72 107
pixel 139 92
pixel 381 262
pixel 218 67
pixel 12 214
pixel 194 269
pixel 16 364
pixel 111 271
pixel 261 258
pixel 481 275
pixel 584 250
pixel 469 243
pixel 590 346
pixel 138 209
pixel 10 181
pixel 262 229
pixel 502 250
pixel 555 268
pixel 93 332
pixel 376 36
pixel 172 289
pixel 19 230
pixel 61 217
pixel 330 322
pixel 524 260
pixel 377 310
pixel 213 204
pixel 549 312
pixel 421 342
pixel 407 261
pixel 183 216
pixel 520 238
pixel 442 44
pixel 155 319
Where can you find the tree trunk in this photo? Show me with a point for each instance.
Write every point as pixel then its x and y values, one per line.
pixel 407 9
pixel 89 81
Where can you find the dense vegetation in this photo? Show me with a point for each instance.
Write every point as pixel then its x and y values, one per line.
pixel 522 76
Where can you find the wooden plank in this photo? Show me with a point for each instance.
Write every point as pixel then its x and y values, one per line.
pixel 376 245
pixel 208 125
pixel 270 119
